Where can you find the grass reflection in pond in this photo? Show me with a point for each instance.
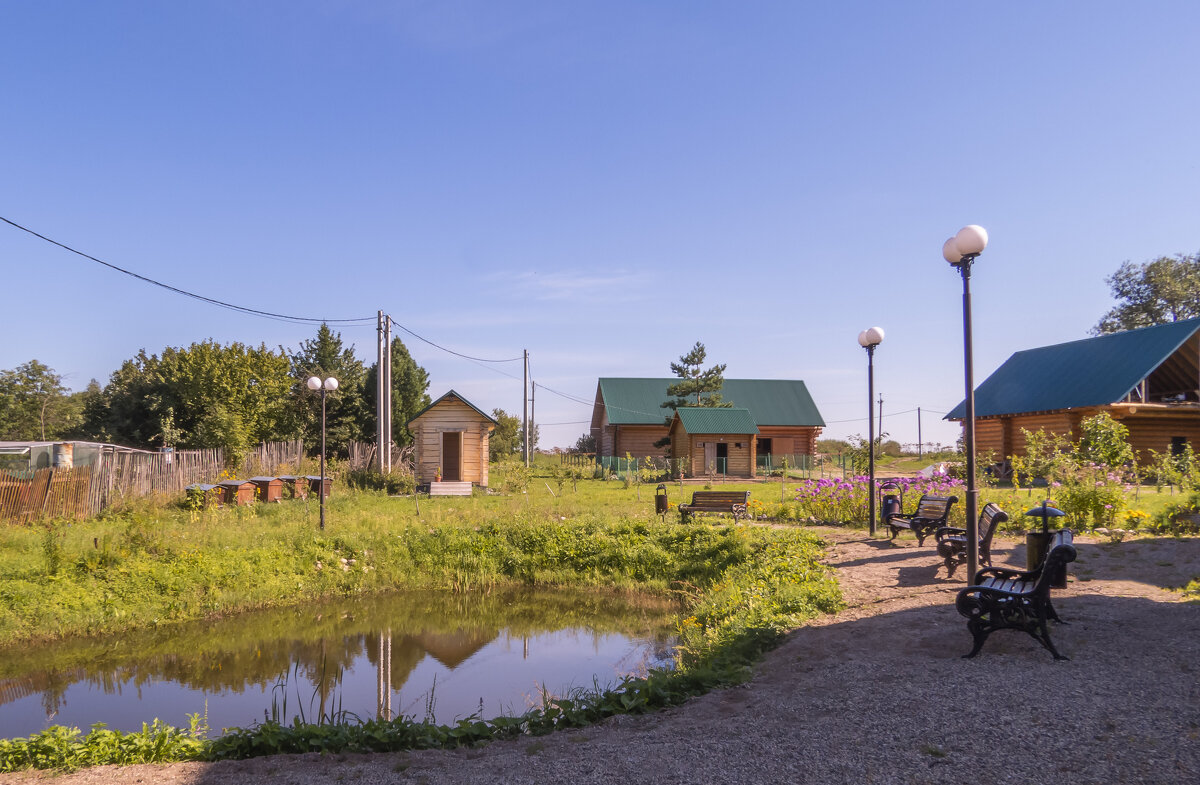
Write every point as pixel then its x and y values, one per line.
pixel 491 652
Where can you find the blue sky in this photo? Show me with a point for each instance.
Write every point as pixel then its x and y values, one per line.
pixel 601 183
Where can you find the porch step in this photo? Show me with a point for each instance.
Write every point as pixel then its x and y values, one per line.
pixel 449 489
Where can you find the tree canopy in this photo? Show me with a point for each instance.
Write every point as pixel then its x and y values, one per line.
pixel 1156 292
pixel 34 404
pixel 410 392
pixel 696 380
pixel 347 417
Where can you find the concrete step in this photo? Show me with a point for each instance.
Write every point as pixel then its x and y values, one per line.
pixel 449 489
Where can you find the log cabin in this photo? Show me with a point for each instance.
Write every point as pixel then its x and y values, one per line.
pixel 451 438
pixel 712 441
pixel 1148 379
pixel 628 415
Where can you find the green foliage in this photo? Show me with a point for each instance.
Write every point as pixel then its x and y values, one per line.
pixel 1178 518
pixel 696 381
pixel 67 749
pixel 1104 441
pixel 1180 471
pixel 206 395
pixel 512 475
pixel 1155 292
pixel 1045 456
pixel 505 440
pixel 394 483
pixel 347 418
pixel 410 392
pixel 35 405
pixel 585 443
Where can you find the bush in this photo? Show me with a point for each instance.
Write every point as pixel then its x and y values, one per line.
pixel 394 482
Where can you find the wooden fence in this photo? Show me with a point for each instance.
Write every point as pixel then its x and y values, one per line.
pixel 116 476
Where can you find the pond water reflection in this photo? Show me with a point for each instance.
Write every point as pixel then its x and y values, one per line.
pixel 442 655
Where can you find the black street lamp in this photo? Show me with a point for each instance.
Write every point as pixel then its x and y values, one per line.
pixel 869 339
pixel 327 386
pixel 960 251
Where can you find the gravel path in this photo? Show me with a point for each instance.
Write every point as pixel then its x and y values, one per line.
pixel 877 694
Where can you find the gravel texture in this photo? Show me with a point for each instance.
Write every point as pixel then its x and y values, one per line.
pixel 877 694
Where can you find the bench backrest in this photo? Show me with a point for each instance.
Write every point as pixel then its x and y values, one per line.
pixel 990 519
pixel 1060 552
pixel 720 497
pixel 934 507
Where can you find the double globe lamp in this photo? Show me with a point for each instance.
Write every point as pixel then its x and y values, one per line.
pixel 960 251
pixel 314 383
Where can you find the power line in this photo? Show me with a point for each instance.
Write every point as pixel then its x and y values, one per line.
pixel 184 292
pixel 451 351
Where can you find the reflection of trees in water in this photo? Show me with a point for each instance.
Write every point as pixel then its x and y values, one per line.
pixel 256 650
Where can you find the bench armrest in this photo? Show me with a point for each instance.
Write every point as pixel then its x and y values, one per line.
pixel 1002 574
pixel 945 531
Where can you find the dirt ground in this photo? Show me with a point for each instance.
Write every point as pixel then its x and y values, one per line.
pixel 876 693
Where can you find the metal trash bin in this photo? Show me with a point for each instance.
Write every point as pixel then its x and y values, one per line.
pixel 891 500
pixel 1037 543
pixel 660 500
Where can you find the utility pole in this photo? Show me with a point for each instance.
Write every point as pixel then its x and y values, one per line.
pixel 525 406
pixel 881 419
pixel 380 406
pixel 920 454
pixel 532 416
pixel 387 395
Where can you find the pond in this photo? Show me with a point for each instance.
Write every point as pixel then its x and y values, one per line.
pixel 438 656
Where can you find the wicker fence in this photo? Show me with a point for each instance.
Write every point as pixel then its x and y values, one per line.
pixel 85 491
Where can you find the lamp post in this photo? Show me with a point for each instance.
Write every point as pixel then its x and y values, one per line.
pixel 869 339
pixel 327 386
pixel 960 251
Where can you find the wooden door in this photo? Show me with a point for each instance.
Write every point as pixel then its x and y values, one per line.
pixel 452 456
pixel 710 457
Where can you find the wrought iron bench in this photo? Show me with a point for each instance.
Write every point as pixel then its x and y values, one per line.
pixel 952 541
pixel 1014 599
pixel 931 514
pixel 715 501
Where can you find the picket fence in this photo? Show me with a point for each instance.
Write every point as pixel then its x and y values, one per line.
pixel 82 492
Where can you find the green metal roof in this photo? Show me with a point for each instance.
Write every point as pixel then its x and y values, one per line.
pixel 482 414
pixel 708 419
pixel 770 401
pixel 1090 372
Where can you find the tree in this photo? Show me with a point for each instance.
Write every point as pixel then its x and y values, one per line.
pixel 505 440
pixel 696 381
pixel 585 444
pixel 347 417
pixel 1104 441
pixel 34 404
pixel 1155 292
pixel 410 392
pixel 205 395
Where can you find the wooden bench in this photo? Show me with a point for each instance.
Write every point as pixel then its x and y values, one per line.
pixel 1014 599
pixel 715 501
pixel 952 541
pixel 931 514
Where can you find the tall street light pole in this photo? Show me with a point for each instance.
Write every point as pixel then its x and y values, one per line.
pixel 329 385
pixel 869 339
pixel 960 251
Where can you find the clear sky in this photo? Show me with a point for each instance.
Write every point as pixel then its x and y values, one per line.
pixel 602 183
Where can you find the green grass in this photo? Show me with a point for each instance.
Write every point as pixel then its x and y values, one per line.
pixel 145 567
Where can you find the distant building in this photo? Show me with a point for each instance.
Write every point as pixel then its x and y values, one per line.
pixel 451 437
pixel 44 455
pixel 628 415
pixel 1147 379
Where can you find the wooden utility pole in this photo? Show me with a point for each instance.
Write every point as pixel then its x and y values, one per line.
pixel 525 406
pixel 920 447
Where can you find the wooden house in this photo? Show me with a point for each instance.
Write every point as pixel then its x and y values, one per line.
pixel 1147 379
pixel 628 415
pixel 451 438
pixel 714 441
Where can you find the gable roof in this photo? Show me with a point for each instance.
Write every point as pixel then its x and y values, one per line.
pixel 1090 372
pixel 459 397
pixel 710 419
pixel 634 401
